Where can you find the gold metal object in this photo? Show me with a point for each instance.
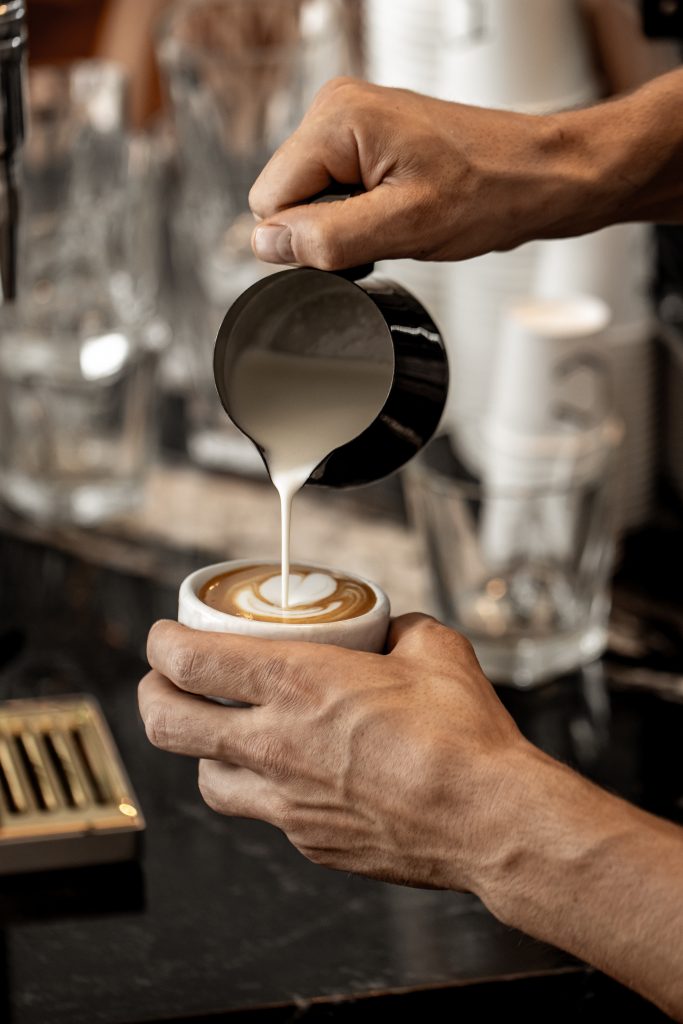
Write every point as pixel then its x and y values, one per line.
pixel 65 798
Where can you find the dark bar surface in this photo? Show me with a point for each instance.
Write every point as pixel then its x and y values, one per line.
pixel 223 918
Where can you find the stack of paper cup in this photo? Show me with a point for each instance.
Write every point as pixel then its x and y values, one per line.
pixel 546 420
pixel 539 384
pixel 532 55
pixel 524 55
pixel 614 264
pixel 474 297
pixel 402 39
pixel 402 42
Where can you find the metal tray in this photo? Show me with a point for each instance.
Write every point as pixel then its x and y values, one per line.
pixel 65 798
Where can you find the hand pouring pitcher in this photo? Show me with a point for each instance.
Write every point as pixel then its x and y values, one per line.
pixel 344 319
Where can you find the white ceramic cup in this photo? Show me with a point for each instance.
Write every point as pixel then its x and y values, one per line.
pixel 365 632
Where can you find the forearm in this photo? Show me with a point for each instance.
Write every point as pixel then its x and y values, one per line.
pixel 617 161
pixel 573 865
pixel 650 163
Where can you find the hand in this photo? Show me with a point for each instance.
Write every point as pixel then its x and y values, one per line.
pixel 406 767
pixel 446 181
pixel 443 181
pixel 385 765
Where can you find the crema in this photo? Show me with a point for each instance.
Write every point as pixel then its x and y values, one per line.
pixel 315 595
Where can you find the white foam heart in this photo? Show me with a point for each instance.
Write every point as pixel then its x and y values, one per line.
pixel 308 589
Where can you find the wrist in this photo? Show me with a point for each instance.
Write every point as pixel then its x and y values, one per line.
pixel 555 836
pixel 573 865
pixel 511 795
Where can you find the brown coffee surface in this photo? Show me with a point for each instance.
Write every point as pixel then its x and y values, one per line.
pixel 239 592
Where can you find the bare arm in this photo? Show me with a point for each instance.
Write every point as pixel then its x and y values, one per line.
pixel 407 767
pixel 578 867
pixel 446 181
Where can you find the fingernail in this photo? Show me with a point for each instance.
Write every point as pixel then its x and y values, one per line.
pixel 273 243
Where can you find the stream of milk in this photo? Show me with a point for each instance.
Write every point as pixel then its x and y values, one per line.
pixel 299 409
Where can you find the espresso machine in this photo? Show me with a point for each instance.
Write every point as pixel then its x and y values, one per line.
pixel 12 63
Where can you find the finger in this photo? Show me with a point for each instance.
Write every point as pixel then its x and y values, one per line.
pixel 238 792
pixel 298 170
pixel 380 224
pixel 409 630
pixel 184 724
pixel 321 150
pixel 229 666
pixel 418 634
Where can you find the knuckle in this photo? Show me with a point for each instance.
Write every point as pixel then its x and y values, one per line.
pixel 183 664
pixel 266 751
pixel 428 627
pixel 273 671
pixel 462 643
pixel 206 786
pixel 326 251
pixel 430 634
pixel 256 203
pixel 158 725
pixel 209 796
pixel 303 692
pixel 316 855
pixel 334 85
pixel 287 819
pixel 155 637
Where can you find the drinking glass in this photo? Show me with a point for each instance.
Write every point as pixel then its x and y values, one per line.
pixel 77 364
pixel 522 569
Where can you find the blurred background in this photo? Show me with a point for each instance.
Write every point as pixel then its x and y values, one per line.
pixel 146 125
pixel 556 481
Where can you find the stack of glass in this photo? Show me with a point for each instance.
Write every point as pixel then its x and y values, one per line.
pixel 78 350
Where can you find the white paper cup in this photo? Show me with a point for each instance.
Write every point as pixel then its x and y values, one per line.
pixel 365 632
pixel 534 56
pixel 613 264
pixel 548 348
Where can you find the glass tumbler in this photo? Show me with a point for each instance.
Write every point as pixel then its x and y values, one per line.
pixel 520 546
pixel 76 375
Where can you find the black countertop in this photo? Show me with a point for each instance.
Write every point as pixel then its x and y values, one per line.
pixel 223 917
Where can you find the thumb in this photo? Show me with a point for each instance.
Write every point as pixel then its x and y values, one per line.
pixel 336 235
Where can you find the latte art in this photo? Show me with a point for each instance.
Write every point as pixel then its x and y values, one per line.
pixel 253 592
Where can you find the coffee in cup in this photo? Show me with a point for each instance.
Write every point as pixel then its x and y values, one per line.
pixel 315 595
pixel 326 605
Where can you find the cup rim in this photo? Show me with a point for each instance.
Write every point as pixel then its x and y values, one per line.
pixel 188 596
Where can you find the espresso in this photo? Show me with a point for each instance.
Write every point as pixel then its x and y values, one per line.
pixel 315 595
